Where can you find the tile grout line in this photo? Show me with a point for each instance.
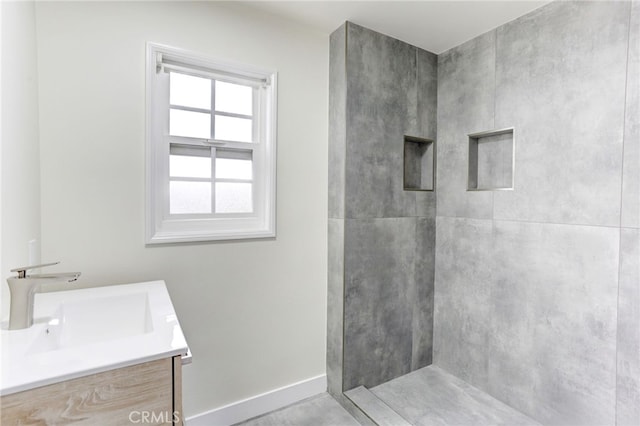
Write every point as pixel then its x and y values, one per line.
pixel 527 221
pixel 540 222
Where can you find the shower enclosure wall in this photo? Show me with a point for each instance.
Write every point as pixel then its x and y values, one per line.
pixel 531 294
pixel 381 237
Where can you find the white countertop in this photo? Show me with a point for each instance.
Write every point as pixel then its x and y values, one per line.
pixel 120 325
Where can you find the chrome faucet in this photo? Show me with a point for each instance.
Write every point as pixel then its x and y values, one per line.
pixel 23 289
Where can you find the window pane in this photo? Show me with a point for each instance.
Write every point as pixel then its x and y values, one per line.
pixel 234 197
pixel 186 90
pixel 189 197
pixel 229 168
pixel 189 124
pixel 189 166
pixel 233 129
pixel 234 98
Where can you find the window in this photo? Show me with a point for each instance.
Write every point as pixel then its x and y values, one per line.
pixel 211 149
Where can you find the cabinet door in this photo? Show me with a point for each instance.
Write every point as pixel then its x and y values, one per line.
pixel 139 394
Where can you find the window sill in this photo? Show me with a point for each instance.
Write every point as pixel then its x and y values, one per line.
pixel 187 231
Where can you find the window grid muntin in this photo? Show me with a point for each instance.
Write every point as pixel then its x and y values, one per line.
pixel 213 180
pixel 184 140
pixel 255 107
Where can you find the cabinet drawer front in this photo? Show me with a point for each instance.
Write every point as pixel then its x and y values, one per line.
pixel 140 394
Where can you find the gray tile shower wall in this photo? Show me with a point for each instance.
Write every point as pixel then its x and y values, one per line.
pixel 560 81
pixel 387 299
pixel 527 281
pixel 537 289
pixel 427 75
pixel 628 361
pixel 381 109
pixel 462 299
pixel 337 158
pixel 528 314
pixel 379 276
pixel 337 122
pixel 422 303
pixel 335 305
pixel 465 105
pixel 628 388
pixel 381 237
pixel 631 160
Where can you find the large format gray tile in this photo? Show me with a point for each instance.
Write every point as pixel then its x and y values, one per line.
pixel 465 105
pixel 560 81
pixel 553 321
pixel 337 121
pixel 431 396
pixel 427 74
pixel 381 261
pixel 628 385
pixel 379 265
pixel 422 300
pixel 381 90
pixel 321 410
pixel 335 305
pixel 631 161
pixel 427 86
pixel 381 109
pixel 462 297
pixel 526 311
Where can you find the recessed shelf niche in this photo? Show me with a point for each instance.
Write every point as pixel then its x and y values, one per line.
pixel 419 164
pixel 491 160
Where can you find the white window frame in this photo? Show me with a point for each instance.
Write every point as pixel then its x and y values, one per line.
pixel 163 227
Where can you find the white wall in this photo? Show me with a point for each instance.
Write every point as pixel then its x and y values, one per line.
pixel 253 312
pixel 20 153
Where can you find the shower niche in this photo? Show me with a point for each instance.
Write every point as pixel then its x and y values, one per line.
pixel 491 160
pixel 419 164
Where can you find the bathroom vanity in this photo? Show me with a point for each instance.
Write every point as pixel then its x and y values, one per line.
pixel 109 355
pixel 148 393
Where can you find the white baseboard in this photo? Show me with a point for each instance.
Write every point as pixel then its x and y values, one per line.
pixel 260 404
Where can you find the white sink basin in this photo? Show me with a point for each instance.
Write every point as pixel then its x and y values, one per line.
pixel 95 320
pixel 86 331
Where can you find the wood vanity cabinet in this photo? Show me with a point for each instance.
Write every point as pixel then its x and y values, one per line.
pixel 145 394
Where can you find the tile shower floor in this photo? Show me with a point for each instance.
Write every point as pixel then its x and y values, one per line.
pixel 429 396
